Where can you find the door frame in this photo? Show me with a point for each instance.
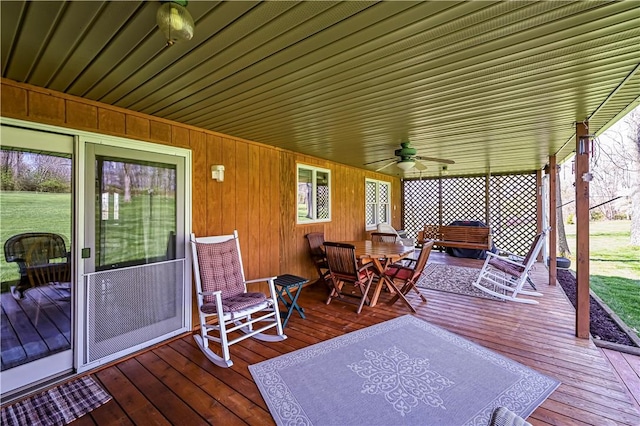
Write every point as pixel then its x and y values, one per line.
pixel 81 138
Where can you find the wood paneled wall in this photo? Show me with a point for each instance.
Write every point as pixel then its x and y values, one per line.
pixel 257 196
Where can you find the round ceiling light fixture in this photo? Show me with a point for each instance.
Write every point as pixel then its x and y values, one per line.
pixel 175 21
pixel 406 164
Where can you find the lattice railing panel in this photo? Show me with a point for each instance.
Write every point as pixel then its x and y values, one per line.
pixel 513 211
pixel 420 204
pixel 463 199
pixel 512 206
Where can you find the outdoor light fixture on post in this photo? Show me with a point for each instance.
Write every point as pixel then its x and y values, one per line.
pixel 175 21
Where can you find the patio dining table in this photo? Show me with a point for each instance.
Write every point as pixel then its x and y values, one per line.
pixel 382 255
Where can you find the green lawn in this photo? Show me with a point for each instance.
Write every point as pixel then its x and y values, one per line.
pixel 32 212
pixel 137 234
pixel 614 267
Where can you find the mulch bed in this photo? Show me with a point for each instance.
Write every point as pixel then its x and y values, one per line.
pixel 602 326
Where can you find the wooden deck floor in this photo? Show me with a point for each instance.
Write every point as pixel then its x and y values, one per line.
pixel 34 327
pixel 174 383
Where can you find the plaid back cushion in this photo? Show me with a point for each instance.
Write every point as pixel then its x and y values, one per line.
pixel 220 269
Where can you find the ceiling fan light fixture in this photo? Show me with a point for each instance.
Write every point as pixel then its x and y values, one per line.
pixel 406 164
pixel 175 21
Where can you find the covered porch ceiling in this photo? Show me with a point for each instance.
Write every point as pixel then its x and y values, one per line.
pixel 494 86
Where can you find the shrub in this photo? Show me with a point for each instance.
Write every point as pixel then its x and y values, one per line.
pixel 570 218
pixel 6 180
pixel 54 185
pixel 596 215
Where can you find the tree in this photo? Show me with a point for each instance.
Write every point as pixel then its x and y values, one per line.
pixel 635 180
pixel 563 245
pixel 622 157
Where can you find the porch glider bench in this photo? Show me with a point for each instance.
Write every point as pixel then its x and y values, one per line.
pixel 464 237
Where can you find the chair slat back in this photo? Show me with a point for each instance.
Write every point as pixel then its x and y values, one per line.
pixel 536 245
pixel 383 237
pixel 219 267
pixel 421 262
pixel 316 241
pixel 342 261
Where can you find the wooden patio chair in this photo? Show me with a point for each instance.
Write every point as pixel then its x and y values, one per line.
pixel 504 278
pixel 384 237
pixel 222 295
pixel 315 242
pixel 409 275
pixel 345 269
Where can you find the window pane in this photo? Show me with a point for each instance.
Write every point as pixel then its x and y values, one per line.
pixel 382 212
pixel 370 192
pixel 322 195
pixel 135 212
pixel 370 214
pixel 305 194
pixel 383 193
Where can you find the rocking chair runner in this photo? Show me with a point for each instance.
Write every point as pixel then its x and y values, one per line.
pixel 222 295
pixel 504 278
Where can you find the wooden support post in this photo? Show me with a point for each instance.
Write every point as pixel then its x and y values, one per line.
pixel 553 220
pixel 440 201
pixel 582 177
pixel 539 212
pixel 487 199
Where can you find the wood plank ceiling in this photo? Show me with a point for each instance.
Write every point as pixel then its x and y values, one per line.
pixel 495 86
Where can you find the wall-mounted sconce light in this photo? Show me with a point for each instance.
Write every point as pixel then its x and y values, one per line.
pixel 217 173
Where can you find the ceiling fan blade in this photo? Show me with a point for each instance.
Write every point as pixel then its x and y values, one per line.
pixel 377 161
pixel 386 165
pixel 420 166
pixel 436 160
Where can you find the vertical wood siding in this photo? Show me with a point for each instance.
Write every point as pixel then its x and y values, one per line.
pixel 257 196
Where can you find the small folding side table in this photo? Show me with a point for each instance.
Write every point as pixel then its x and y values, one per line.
pixel 284 284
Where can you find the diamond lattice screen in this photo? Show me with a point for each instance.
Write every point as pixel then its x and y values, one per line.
pixel 513 212
pixel 420 204
pixel 463 199
pixel 370 195
pixel 323 202
pixel 512 206
pixel 383 208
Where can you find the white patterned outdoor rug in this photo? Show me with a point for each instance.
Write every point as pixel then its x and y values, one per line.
pixel 452 279
pixel 402 371
pixel 58 406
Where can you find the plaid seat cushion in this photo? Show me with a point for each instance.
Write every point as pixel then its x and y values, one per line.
pixel 506 267
pixel 220 269
pixel 235 303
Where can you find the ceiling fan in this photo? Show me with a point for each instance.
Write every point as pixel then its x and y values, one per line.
pixel 408 159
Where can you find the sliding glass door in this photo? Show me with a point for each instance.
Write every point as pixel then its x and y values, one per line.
pixel 38 286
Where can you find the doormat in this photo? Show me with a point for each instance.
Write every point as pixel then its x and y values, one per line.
pixel 402 371
pixel 58 406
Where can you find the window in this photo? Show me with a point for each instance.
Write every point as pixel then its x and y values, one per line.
pixel 378 202
pixel 314 194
